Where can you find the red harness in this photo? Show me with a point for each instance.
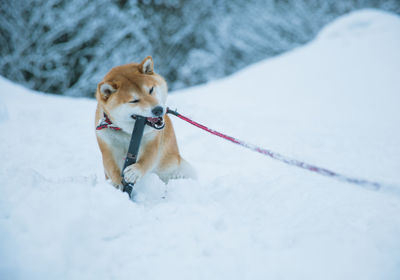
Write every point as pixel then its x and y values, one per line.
pixel 105 122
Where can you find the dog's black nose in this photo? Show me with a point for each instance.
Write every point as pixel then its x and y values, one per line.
pixel 158 111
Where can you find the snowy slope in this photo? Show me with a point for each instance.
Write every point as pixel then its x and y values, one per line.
pixel 334 103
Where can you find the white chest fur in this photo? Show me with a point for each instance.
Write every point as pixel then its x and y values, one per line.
pixel 118 143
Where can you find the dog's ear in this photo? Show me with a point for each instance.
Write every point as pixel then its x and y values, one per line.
pixel 107 88
pixel 146 66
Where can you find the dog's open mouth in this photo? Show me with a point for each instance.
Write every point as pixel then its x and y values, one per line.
pixel 157 123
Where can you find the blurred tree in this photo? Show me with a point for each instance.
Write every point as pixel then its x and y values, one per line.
pixel 66 46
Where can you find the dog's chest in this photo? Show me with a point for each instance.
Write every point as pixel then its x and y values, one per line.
pixel 118 144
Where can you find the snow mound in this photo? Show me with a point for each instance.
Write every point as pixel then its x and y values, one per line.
pixel 359 23
pixel 333 103
pixel 3 112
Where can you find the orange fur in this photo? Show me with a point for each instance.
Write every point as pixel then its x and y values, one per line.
pixel 158 152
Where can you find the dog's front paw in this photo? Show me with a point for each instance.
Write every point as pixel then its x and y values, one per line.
pixel 133 173
pixel 117 186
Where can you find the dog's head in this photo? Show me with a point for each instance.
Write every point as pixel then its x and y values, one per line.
pixel 133 90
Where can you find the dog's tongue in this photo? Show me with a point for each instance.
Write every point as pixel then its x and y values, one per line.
pixel 153 120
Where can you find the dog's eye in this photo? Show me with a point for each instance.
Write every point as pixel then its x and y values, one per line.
pixel 134 101
pixel 151 90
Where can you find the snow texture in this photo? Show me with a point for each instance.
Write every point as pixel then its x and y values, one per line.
pixel 334 103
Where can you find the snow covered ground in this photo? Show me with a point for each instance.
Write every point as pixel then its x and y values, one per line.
pixel 334 103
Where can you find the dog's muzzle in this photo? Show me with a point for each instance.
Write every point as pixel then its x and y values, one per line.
pixel 157 123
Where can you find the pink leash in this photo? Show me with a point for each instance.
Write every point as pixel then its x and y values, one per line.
pixel 322 171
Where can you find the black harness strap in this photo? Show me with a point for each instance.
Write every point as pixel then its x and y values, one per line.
pixel 133 150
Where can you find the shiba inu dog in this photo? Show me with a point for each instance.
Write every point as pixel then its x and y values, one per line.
pixel 126 92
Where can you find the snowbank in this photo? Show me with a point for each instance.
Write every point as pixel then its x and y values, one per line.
pixel 334 102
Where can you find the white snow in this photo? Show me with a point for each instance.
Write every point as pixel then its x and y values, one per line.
pixel 334 103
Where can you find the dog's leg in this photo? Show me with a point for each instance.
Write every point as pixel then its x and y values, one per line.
pixel 172 165
pixel 147 159
pixel 184 170
pixel 176 168
pixel 111 168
